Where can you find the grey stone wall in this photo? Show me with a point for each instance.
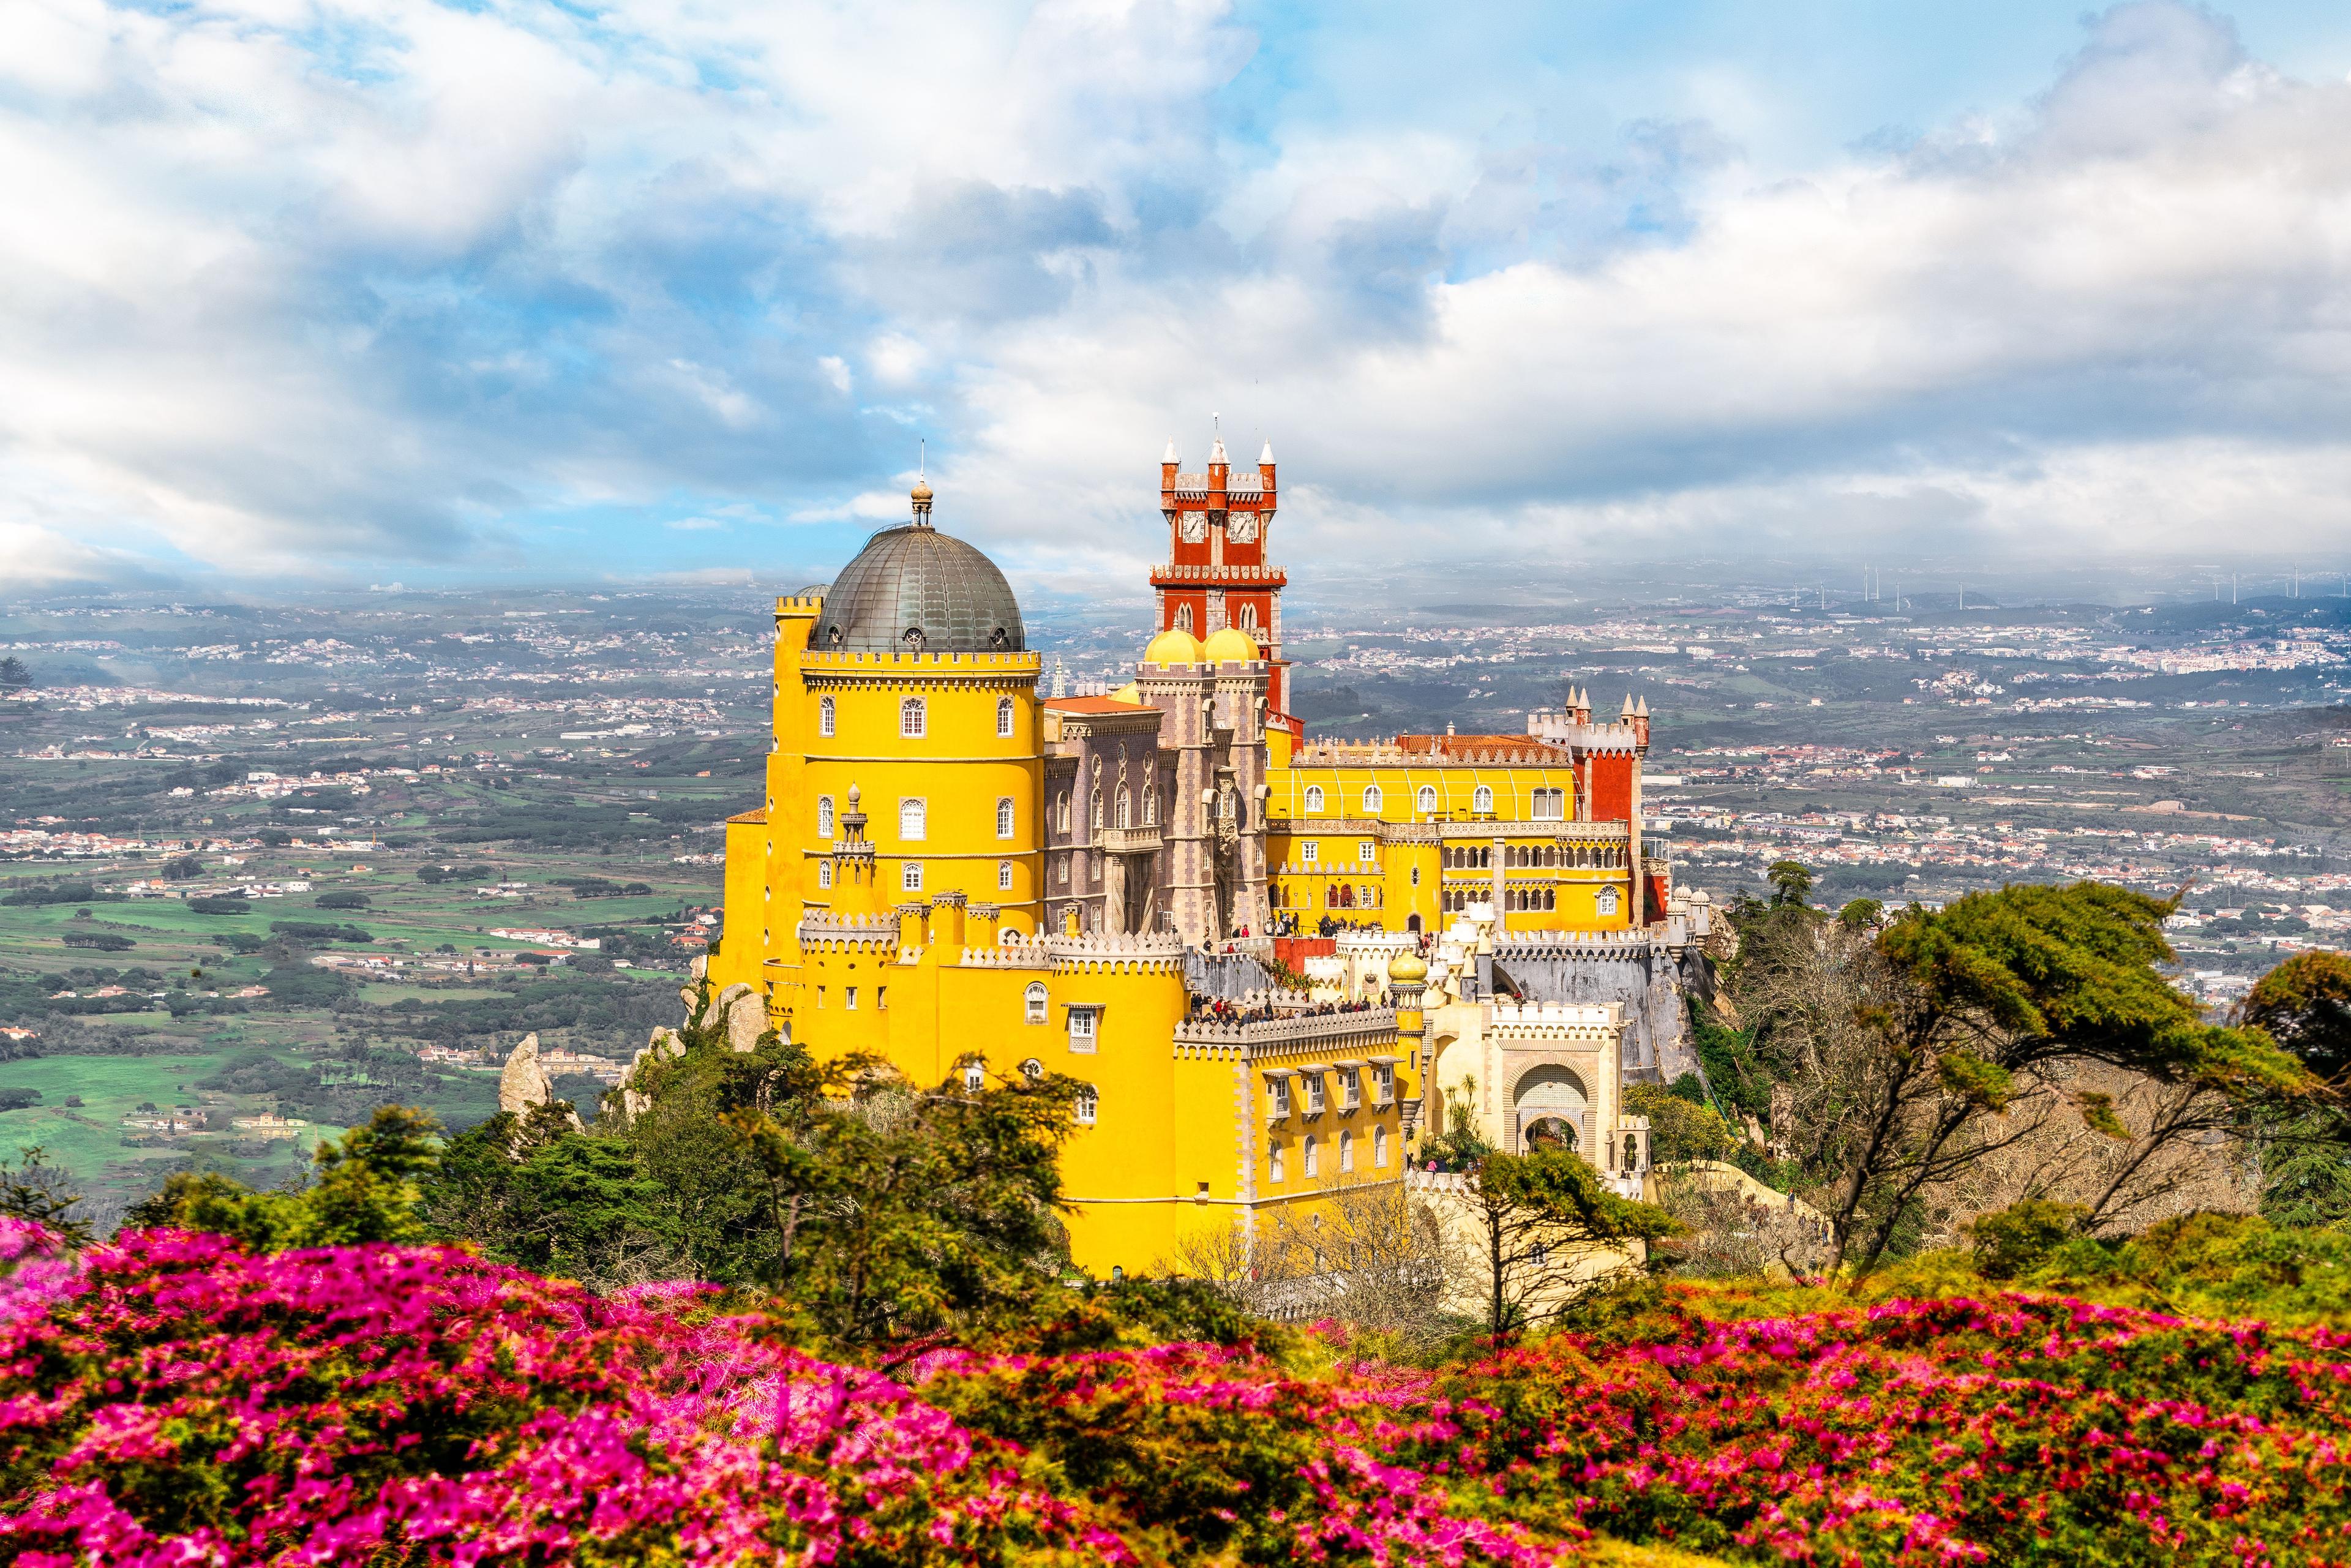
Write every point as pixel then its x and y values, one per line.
pixel 1651 982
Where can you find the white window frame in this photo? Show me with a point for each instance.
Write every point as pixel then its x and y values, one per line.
pixel 824 873
pixel 1085 1030
pixel 849 999
pixel 913 719
pixel 1346 1152
pixel 1036 1004
pixel 974 1077
pixel 1089 1105
pixel 1428 798
pixel 1313 1094
pixel 824 816
pixel 1004 876
pixel 1606 903
pixel 1366 850
pixel 1384 1081
pixel 1006 818
pixel 1351 1089
pixel 1003 718
pixel 1483 800
pixel 1306 1164
pixel 1313 801
pixel 1273 1163
pixel 914 812
pixel 826 719
pixel 1372 797
pixel 1379 1148
pixel 1032 1070
pixel 910 877
pixel 1277 1092
pixel 1309 852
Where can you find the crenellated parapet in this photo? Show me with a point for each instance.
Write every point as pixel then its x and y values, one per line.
pixel 1138 953
pixel 1587 1025
pixel 850 932
pixel 1295 1033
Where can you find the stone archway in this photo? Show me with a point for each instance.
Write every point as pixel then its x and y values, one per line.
pixel 1550 1093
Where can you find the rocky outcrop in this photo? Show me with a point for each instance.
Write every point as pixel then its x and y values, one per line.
pixel 525 1083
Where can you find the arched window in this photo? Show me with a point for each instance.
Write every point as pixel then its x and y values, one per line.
pixel 824 816
pixel 1607 901
pixel 1482 802
pixel 1310 1156
pixel 1183 618
pixel 1346 1152
pixel 1033 1071
pixel 1379 1148
pixel 1004 816
pixel 1150 807
pixel 910 878
pixel 1273 1163
pixel 824 715
pixel 1032 1009
pixel 1427 798
pixel 1003 718
pixel 1372 799
pixel 1550 805
pixel 1062 811
pixel 912 817
pixel 1004 876
pixel 1314 799
pixel 824 873
pixel 1125 808
pixel 1089 1105
pixel 1247 620
pixel 1097 808
pixel 910 718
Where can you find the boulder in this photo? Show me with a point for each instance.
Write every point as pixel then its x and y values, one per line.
pixel 526 1081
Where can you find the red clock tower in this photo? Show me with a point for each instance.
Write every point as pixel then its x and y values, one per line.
pixel 1217 572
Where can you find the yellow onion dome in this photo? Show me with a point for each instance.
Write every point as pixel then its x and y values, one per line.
pixel 1407 966
pixel 1172 646
pixel 1129 693
pixel 1230 646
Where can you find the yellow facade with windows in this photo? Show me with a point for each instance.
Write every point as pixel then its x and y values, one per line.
pixel 1405 839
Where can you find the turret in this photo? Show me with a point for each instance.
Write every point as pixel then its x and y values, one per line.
pixel 1168 463
pixel 1264 469
pixel 1641 727
pixel 853 895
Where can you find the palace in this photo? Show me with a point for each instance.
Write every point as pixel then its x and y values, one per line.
pixel 956 873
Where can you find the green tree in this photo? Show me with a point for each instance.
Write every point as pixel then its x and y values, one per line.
pixel 2305 1004
pixel 540 1193
pixel 1679 1131
pixel 364 1188
pixel 33 1189
pixel 905 1212
pixel 1977 1012
pixel 1537 1218
pixel 14 676
pixel 1792 883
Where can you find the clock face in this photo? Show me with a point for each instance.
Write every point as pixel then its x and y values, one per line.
pixel 1193 527
pixel 1241 527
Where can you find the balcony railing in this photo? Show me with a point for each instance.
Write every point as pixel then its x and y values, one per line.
pixel 1130 841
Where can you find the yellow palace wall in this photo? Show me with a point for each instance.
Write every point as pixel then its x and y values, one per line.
pixel 1407 872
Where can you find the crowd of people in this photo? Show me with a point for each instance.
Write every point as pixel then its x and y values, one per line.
pixel 1216 1009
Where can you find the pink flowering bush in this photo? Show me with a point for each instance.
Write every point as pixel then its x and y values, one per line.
pixel 172 1398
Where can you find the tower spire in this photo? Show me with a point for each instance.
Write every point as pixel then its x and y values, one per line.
pixel 922 491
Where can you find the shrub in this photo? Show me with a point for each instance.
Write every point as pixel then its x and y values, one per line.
pixel 224 903
pixel 342 901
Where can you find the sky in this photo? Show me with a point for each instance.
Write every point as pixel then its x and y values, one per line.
pixel 359 291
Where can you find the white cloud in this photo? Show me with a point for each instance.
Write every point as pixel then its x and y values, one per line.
pixel 309 289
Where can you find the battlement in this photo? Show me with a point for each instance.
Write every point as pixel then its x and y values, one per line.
pixel 1169 575
pixel 869 663
pixel 1579 944
pixel 797 605
pixel 1548 1016
pixel 838 933
pixel 1294 1032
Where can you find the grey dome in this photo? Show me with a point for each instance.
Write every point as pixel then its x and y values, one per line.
pixel 915 589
